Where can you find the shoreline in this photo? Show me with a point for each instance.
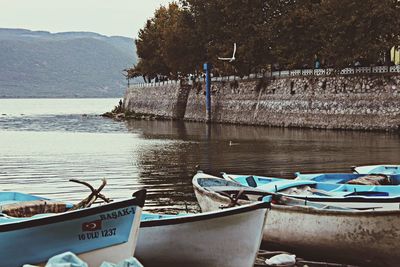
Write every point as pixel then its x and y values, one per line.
pixel 152 117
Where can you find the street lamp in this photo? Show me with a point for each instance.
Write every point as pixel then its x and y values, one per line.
pixel 126 75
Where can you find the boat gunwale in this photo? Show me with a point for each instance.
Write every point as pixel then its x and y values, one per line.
pixel 298 175
pixel 315 198
pixel 138 199
pixel 198 217
pixel 372 168
pixel 338 199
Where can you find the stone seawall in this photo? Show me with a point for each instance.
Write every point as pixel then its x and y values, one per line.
pixel 331 102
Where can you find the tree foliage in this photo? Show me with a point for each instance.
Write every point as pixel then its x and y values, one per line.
pixel 293 33
pixel 357 30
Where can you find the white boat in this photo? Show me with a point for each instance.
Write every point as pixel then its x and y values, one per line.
pixel 377 169
pixel 361 237
pixel 221 238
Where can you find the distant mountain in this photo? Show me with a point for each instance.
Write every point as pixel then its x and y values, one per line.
pixel 69 64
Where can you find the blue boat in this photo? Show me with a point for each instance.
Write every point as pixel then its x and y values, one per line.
pixel 33 229
pixel 377 169
pixel 351 178
pixel 324 190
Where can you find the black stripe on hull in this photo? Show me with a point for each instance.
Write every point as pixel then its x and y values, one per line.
pixel 204 216
pixel 349 199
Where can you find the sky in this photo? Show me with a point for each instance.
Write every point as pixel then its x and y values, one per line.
pixel 108 17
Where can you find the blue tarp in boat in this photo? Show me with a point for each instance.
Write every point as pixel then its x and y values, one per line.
pixel 69 259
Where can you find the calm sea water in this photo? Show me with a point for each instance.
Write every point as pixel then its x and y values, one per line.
pixel 46 142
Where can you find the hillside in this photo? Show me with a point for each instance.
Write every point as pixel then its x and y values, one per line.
pixel 71 64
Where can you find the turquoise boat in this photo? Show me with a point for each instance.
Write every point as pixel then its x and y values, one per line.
pixel 33 229
pixel 347 178
pixel 328 189
pixel 377 169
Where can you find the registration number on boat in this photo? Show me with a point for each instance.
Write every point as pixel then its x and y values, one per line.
pixel 97 234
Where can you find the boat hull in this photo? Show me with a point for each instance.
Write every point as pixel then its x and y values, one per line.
pixel 103 233
pixel 230 237
pixel 366 238
pixel 361 237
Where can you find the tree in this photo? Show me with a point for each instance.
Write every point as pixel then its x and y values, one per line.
pixel 221 23
pixel 182 36
pixel 180 49
pixel 148 47
pixel 167 44
pixel 358 30
pixel 296 39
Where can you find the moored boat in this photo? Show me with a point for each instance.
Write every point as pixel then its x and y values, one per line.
pixel 33 229
pixel 225 238
pixel 343 195
pixel 351 178
pixel 361 237
pixel 377 169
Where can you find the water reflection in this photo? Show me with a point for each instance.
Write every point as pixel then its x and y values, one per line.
pixel 60 139
pixel 167 170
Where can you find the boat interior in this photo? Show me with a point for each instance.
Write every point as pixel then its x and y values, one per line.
pixel 18 205
pixel 323 189
pixel 345 178
pixel 236 192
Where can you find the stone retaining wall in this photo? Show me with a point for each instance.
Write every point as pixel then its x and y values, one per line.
pixel 334 102
pixel 157 100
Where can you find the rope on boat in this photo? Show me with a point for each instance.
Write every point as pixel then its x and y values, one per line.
pixel 87 202
pixel 234 199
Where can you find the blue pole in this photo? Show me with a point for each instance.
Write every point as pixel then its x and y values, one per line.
pixel 207 69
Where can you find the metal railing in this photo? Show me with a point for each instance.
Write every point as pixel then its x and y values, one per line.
pixel 151 84
pixel 287 73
